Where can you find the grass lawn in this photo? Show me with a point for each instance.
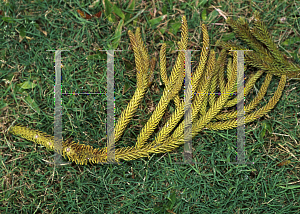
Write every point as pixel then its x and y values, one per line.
pixel 147 185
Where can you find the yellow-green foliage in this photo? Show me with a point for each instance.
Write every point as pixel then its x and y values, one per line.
pixel 209 76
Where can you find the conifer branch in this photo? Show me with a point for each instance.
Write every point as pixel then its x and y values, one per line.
pixel 209 76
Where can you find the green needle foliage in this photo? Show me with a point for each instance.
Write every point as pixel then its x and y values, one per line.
pixel 265 54
pixel 207 110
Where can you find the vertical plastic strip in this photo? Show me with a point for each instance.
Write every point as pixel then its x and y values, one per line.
pixel 240 109
pixel 110 108
pixel 188 109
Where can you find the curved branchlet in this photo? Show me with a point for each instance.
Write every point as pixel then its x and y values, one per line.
pixel 265 54
pixel 169 92
pixel 214 75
